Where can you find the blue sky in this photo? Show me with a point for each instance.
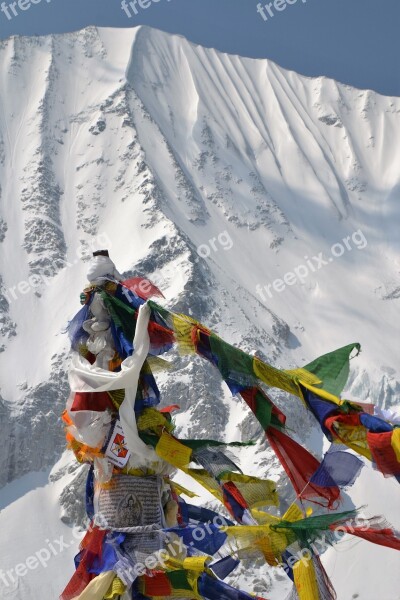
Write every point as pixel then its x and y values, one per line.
pixel 354 41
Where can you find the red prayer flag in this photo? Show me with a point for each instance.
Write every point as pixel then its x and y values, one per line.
pixel 383 537
pixel 143 288
pixel 300 466
pixel 157 584
pixel 383 453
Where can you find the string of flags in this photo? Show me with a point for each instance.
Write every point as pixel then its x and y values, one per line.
pixel 145 541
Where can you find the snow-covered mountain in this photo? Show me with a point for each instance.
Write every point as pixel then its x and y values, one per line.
pixel 265 204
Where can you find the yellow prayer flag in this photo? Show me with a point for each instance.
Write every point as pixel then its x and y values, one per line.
pixel 116 589
pixel 323 393
pixel 293 514
pixel 179 489
pixel 271 543
pixel 204 479
pixel 98 587
pixel 304 376
pixel 183 327
pixel 276 378
pixel 151 418
pixel 396 443
pixel 353 436
pixel 196 563
pixel 256 492
pixel 172 451
pixel 263 518
pixel 305 580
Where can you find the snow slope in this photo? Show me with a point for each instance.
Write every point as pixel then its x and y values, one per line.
pixel 215 176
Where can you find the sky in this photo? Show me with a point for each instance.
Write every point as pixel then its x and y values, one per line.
pixel 353 41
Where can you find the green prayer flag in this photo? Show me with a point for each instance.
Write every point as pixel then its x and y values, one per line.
pixel 333 368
